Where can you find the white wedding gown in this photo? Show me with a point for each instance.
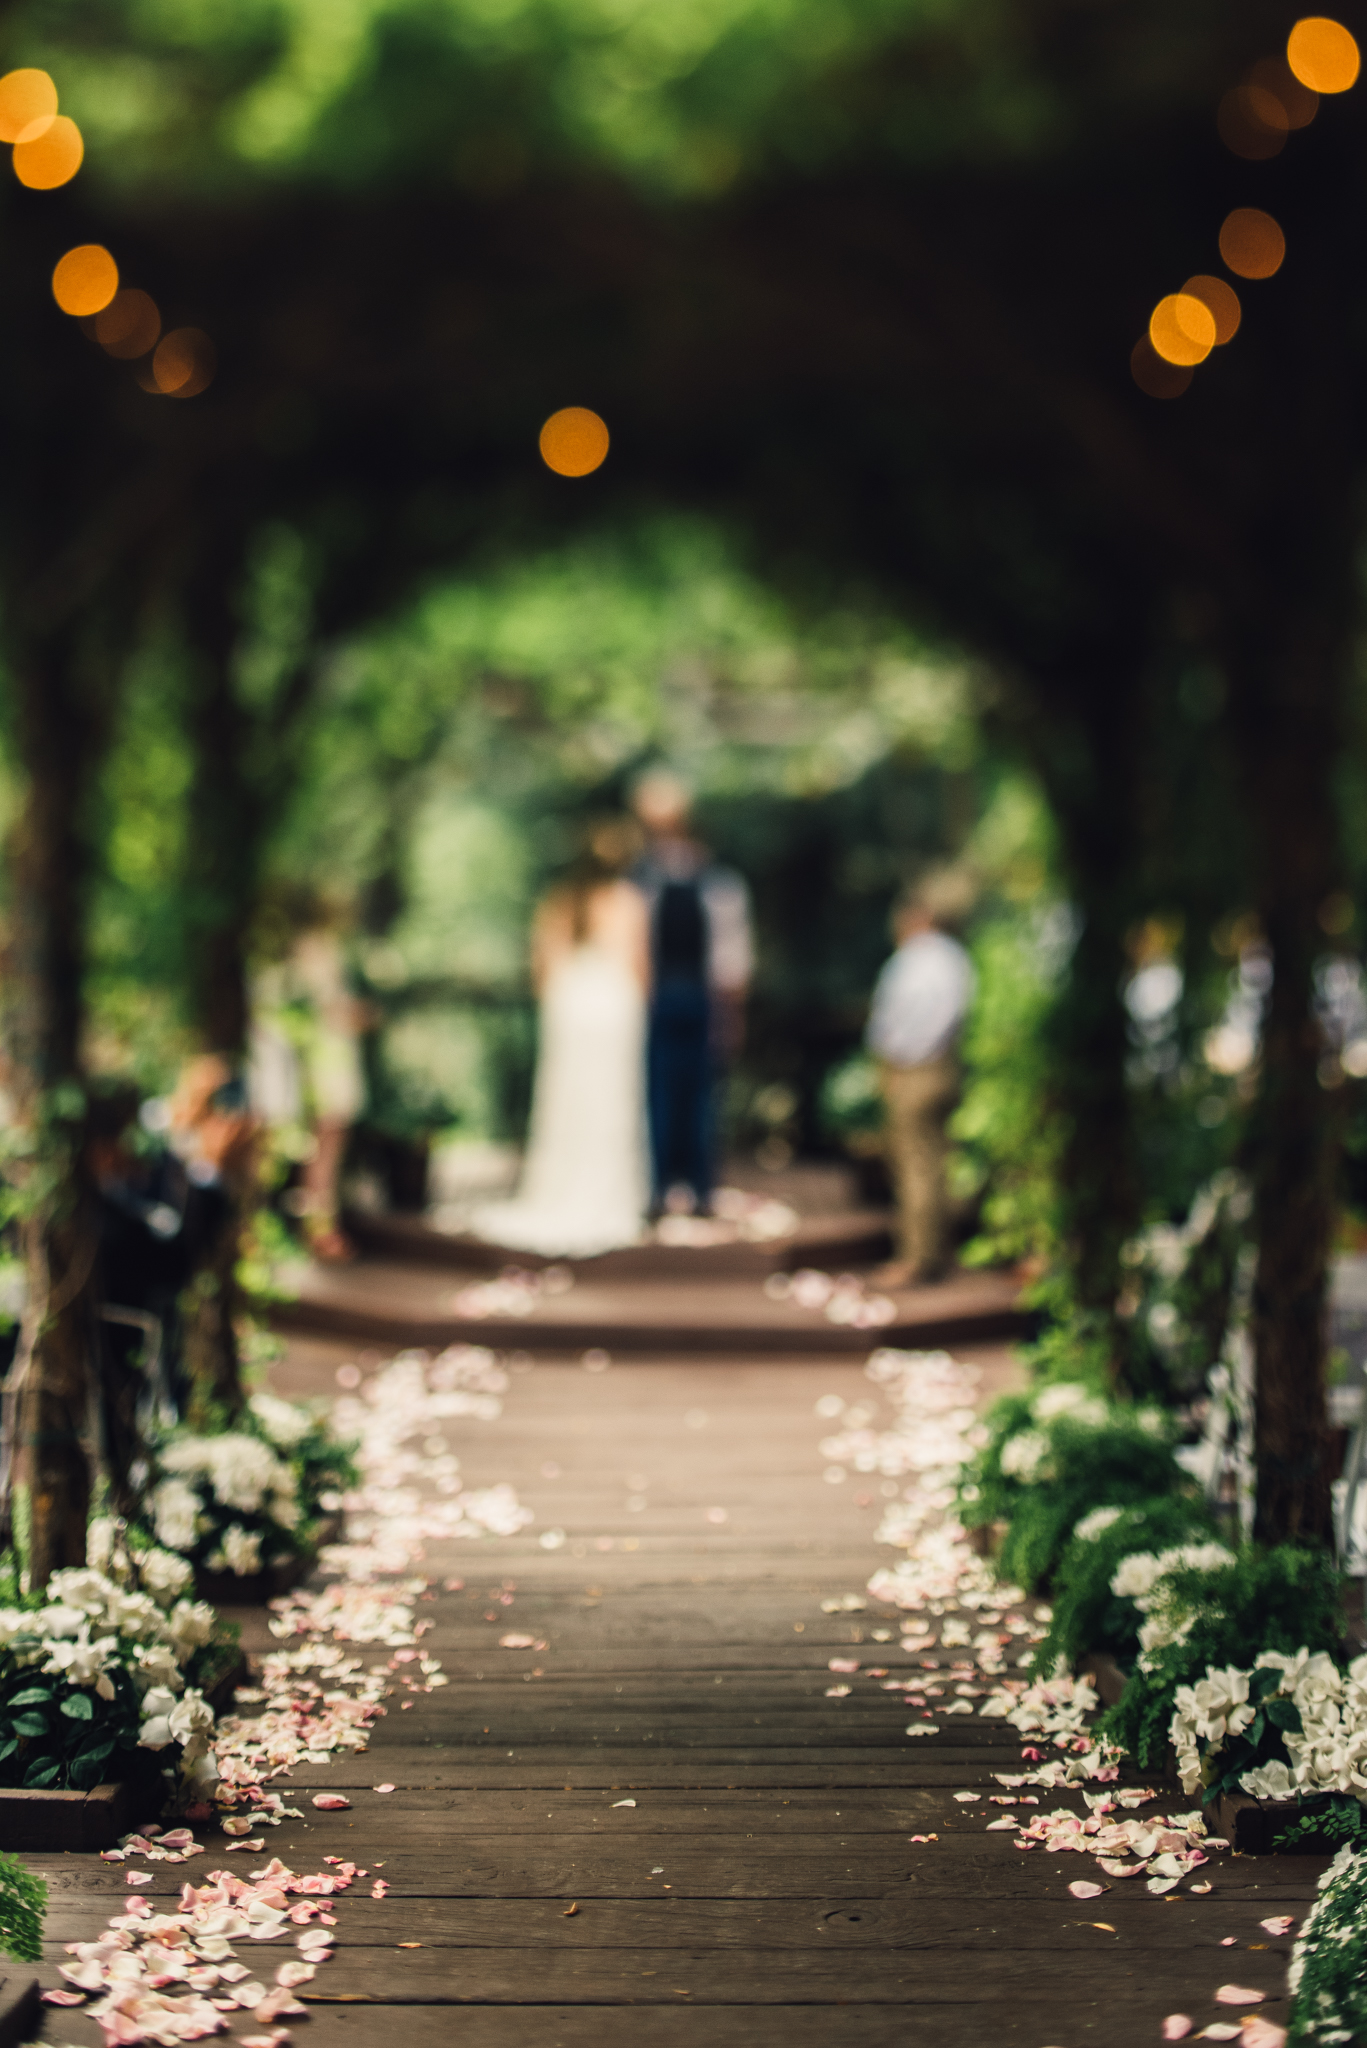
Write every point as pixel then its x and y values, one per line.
pixel 585 1179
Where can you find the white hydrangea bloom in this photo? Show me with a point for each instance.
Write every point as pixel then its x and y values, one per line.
pixel 1070 1398
pixel 1136 1575
pixel 1093 1525
pixel 1269 1781
pixel 189 1626
pixel 165 1575
pixel 286 1423
pixel 1023 1455
pixel 191 1716
pixel 79 1586
pixel 175 1514
pixel 99 1542
pixel 1160 1631
pixel 239 1551
pixel 60 1620
pixel 155 1732
pixel 160 1664
pixel 84 1663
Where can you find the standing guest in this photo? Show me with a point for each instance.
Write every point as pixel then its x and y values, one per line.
pixel 701 962
pixel 306 1062
pixel 919 1006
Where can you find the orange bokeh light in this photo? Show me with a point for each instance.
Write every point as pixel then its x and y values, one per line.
pixel 85 280
pixel 574 441
pixel 1274 75
pixel 1252 122
pixel 184 363
pixel 129 325
pixel 1323 55
pixel 1182 329
pixel 1251 243
pixel 26 97
pixel 51 157
pixel 1154 377
pixel 1222 302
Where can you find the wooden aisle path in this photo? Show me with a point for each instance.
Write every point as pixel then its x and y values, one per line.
pixel 763 1889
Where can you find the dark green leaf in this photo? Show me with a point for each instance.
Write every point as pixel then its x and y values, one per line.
pixel 98 1751
pixel 1284 1714
pixel 78 1707
pixel 30 1724
pixel 41 1771
pixel 35 1696
pixel 8 1747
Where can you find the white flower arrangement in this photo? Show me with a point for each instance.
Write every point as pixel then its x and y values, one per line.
pixel 243 1499
pixel 121 1633
pixel 1327 1754
pixel 1143 1577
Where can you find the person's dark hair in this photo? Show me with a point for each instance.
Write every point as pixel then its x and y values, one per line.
pixel 607 849
pixel 110 1108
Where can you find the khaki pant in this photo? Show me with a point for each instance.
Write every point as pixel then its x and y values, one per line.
pixel 919 1100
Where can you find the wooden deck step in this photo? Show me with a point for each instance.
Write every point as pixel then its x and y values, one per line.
pixel 832 1242
pixel 382 1301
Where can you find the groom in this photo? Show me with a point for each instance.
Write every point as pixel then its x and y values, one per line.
pixel 701 962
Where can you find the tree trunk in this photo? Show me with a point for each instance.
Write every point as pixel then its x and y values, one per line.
pixel 1098 1189
pixel 1085 753
pixel 60 733
pixel 1287 726
pixel 222 888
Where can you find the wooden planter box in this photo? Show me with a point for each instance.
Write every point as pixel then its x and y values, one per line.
pixel 1253 1825
pixel 43 1819
pixel 53 1821
pixel 1106 1675
pixel 21 2012
pixel 226 1589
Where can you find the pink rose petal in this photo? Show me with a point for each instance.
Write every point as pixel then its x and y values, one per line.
pixel 1082 1890
pixel 63 1998
pixel 516 1642
pixel 1176 2026
pixel 138 1877
pixel 1259 2032
pixel 385 1788
pixel 1281 1923
pixel 1218 2031
pixel 331 1802
pixel 1236 1994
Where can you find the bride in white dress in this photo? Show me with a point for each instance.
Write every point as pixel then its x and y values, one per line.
pixel 585 1179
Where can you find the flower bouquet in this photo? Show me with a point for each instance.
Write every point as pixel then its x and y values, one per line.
pixel 111 1662
pixel 247 1506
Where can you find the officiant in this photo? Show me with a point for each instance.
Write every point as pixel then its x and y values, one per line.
pixel 702 959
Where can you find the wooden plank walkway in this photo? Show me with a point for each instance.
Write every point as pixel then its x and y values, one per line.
pixel 763 1889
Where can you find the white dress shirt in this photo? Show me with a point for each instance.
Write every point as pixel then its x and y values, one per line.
pixel 921 1000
